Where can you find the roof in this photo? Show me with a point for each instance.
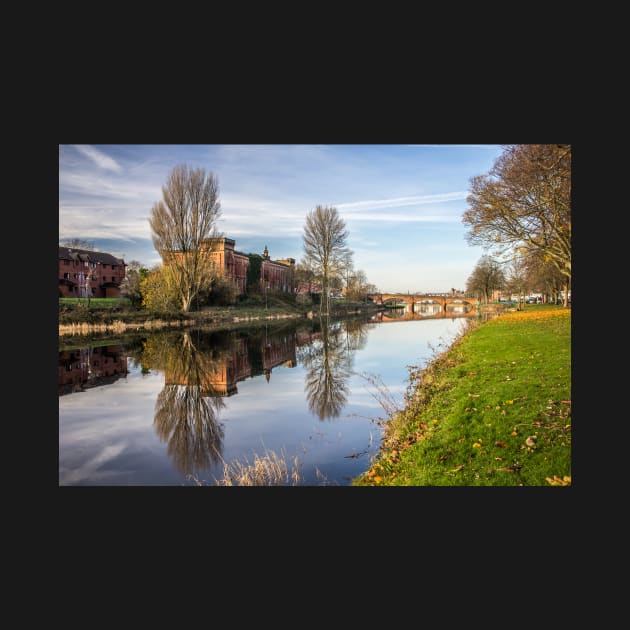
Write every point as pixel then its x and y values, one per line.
pixel 279 263
pixel 72 253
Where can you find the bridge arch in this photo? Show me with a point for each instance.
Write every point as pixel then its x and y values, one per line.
pixel 425 303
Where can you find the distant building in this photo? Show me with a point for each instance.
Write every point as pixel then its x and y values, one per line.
pixel 84 273
pixel 232 264
pixel 277 275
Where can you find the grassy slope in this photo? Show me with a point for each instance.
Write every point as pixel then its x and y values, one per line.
pixel 495 409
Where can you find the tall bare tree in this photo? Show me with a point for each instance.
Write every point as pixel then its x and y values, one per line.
pixel 182 224
pixel 325 249
pixel 525 202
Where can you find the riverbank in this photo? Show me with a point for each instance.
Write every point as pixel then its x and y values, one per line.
pixel 85 323
pixel 492 410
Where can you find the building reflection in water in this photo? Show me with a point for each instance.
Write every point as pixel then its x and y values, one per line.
pixel 202 368
pixel 90 367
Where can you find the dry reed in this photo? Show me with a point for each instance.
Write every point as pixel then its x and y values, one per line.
pixel 267 470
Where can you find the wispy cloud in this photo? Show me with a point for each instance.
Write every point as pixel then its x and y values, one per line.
pixel 397 202
pixel 386 194
pixel 98 157
pixel 90 467
pixel 91 185
pixel 398 217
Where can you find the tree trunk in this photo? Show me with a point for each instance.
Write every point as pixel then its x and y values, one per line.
pixel 186 301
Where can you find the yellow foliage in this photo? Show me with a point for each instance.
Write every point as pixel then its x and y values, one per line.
pixel 557 481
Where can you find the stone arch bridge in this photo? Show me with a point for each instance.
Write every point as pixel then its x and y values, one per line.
pixel 424 303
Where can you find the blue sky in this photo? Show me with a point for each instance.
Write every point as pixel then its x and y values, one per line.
pixel 402 204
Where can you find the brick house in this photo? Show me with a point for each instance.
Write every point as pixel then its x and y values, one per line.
pixel 84 273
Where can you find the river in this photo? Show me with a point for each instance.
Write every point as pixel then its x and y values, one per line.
pixel 177 407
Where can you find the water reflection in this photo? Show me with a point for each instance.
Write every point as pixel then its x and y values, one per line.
pixel 187 408
pixel 202 368
pixel 173 415
pixel 425 310
pixel 83 368
pixel 328 363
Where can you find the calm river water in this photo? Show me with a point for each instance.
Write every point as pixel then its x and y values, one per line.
pixel 166 408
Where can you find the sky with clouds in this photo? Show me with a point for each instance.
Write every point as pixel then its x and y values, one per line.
pixel 402 204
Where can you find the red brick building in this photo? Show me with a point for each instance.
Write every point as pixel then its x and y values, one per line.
pixel 277 275
pixel 84 273
pixel 232 264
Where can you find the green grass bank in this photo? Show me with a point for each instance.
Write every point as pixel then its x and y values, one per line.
pixel 492 410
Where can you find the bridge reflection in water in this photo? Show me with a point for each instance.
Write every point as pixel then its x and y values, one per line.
pixel 424 311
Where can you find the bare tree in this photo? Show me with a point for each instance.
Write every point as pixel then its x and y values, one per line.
pixel 182 224
pixel 525 202
pixel 347 267
pixel 130 286
pixel 325 248
pixel 516 279
pixel 358 283
pixel 77 243
pixel 486 277
pixel 544 277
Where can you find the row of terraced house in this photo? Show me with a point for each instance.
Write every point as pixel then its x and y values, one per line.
pixel 86 273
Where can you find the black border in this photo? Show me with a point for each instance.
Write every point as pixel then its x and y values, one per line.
pixel 273 516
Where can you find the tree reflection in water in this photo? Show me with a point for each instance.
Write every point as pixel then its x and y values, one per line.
pixel 187 408
pixel 328 364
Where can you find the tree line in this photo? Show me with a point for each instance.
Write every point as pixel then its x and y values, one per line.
pixel 520 213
